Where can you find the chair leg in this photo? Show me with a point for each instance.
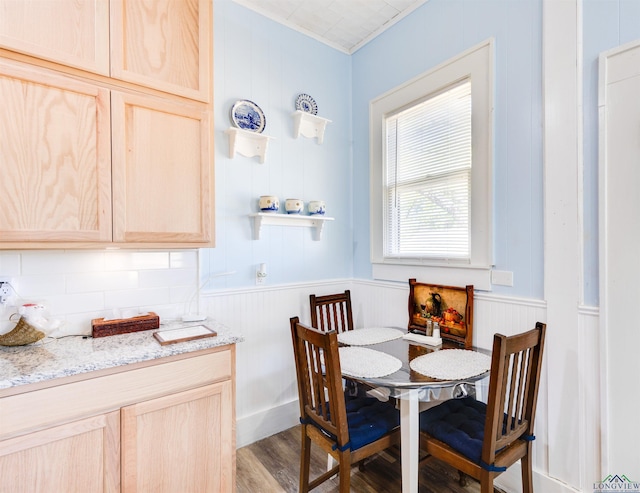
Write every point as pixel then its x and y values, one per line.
pixel 305 461
pixel 527 473
pixel 486 482
pixel 462 479
pixel 345 472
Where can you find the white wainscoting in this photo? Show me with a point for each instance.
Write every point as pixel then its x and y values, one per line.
pixel 266 388
pixel 266 384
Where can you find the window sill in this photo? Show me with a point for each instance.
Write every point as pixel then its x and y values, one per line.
pixel 479 277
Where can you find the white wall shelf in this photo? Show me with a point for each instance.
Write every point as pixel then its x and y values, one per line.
pixel 247 143
pixel 272 218
pixel 309 125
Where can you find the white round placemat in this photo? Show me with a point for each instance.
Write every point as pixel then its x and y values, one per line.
pixel 451 364
pixel 369 335
pixel 367 363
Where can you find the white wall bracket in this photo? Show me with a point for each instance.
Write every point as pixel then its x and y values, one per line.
pixel 247 143
pixel 309 125
pixel 316 221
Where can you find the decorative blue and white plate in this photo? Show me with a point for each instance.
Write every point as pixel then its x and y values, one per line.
pixel 306 103
pixel 247 115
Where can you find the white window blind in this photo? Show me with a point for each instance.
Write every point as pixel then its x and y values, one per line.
pixel 428 177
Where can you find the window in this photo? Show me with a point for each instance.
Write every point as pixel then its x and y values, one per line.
pixel 428 177
pixel 431 160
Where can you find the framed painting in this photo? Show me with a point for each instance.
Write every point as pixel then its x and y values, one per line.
pixel 451 307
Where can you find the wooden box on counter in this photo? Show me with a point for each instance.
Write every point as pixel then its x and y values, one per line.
pixel 102 328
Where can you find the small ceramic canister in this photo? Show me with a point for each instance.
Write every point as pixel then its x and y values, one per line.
pixel 316 207
pixel 293 206
pixel 269 203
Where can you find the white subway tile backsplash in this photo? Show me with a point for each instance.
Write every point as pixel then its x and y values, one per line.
pixel 10 264
pixel 62 304
pixel 61 262
pixel 187 259
pixel 165 312
pixel 78 324
pixel 136 297
pixel 43 263
pixel 79 286
pixel 28 287
pixel 183 294
pixel 102 281
pixel 126 260
pixel 167 277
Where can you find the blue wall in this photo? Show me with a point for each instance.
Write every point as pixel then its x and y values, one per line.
pixel 437 31
pixel 263 61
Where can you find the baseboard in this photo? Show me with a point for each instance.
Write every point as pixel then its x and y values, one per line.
pixel 252 428
pixel 510 481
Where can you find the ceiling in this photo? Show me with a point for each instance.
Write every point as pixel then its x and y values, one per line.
pixel 346 25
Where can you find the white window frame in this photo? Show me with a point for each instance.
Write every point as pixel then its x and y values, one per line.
pixel 476 64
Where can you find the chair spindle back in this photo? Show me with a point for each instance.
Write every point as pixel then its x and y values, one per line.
pixel 513 389
pixel 319 379
pixel 331 312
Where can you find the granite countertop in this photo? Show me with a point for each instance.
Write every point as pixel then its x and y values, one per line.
pixel 55 358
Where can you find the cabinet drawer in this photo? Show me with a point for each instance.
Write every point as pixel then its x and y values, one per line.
pixel 34 410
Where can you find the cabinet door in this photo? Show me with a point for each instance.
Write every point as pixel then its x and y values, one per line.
pixel 71 32
pixel 55 157
pixel 164 44
pixel 77 457
pixel 162 171
pixel 183 442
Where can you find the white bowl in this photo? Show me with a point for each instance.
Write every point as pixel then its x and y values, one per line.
pixel 269 203
pixel 316 207
pixel 293 206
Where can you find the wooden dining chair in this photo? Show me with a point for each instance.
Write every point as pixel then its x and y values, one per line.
pixel 349 430
pixel 483 440
pixel 331 312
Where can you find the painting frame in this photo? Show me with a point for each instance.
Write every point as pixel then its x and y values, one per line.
pixel 450 306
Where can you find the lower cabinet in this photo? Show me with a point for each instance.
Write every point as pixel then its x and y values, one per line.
pixel 81 456
pixel 161 427
pixel 178 443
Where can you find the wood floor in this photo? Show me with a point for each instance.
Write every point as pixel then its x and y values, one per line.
pixel 272 465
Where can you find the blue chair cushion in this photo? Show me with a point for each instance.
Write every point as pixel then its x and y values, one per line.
pixel 459 423
pixel 367 420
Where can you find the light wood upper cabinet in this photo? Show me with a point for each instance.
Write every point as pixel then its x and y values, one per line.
pixel 164 44
pixel 55 157
pixel 162 176
pixel 106 123
pixel 74 33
